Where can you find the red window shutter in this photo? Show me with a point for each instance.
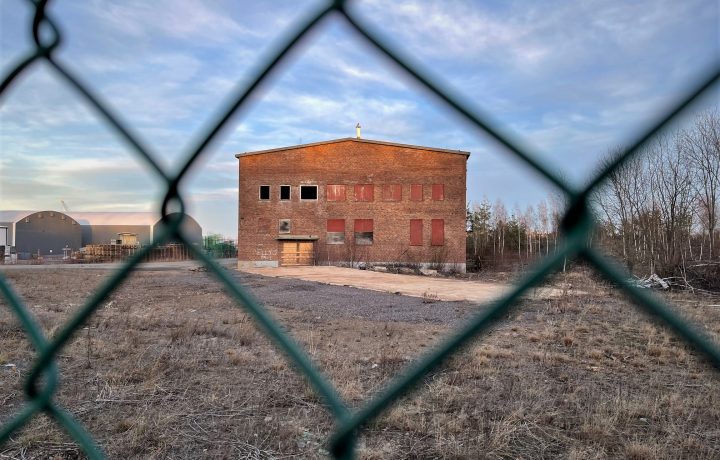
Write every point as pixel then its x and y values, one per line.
pixel 416 230
pixel 364 192
pixel 438 192
pixel 392 192
pixel 363 225
pixel 396 192
pixel 438 232
pixel 336 225
pixel 416 192
pixel 387 192
pixel 335 193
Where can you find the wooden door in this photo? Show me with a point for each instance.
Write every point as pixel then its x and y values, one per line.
pixel 297 253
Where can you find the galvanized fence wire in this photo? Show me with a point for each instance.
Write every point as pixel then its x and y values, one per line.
pixel 578 223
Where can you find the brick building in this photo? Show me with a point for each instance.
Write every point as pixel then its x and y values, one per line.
pixel 351 201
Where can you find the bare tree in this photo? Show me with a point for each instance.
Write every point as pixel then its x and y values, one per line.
pixel 673 196
pixel 701 145
pixel 530 224
pixel 500 218
pixel 558 205
pixel 621 201
pixel 648 206
pixel 517 219
pixel 543 221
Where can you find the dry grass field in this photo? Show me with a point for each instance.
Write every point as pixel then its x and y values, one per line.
pixel 170 368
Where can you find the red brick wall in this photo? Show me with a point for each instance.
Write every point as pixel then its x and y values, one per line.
pixel 350 163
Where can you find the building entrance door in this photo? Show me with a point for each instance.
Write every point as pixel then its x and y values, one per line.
pixel 297 253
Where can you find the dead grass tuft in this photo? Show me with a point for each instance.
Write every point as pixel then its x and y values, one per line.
pixel 637 451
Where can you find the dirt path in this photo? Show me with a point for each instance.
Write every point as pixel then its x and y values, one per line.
pixel 410 285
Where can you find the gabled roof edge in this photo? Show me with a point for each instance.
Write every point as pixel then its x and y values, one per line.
pixel 353 139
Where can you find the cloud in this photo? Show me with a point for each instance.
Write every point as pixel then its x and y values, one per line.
pixel 189 20
pixel 217 194
pixel 445 30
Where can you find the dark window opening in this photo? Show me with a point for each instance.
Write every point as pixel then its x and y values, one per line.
pixel 363 238
pixel 308 192
pixel 284 192
pixel 264 192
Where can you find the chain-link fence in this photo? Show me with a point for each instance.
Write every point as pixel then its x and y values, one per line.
pixel 42 380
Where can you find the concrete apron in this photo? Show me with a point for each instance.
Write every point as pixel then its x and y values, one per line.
pixel 410 285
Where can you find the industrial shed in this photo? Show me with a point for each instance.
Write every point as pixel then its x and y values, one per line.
pixel 44 232
pixel 106 227
pixel 50 232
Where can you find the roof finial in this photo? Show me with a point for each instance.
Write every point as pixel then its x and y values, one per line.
pixel 357 130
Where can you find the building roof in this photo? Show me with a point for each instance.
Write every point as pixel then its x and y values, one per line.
pixel 115 218
pixel 352 139
pixel 92 218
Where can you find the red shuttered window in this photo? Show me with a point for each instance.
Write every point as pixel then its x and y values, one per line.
pixel 392 192
pixel 364 192
pixel 335 193
pixel 336 225
pixel 416 192
pixel 364 231
pixel 438 192
pixel 335 231
pixel 416 232
pixel 438 232
pixel 363 225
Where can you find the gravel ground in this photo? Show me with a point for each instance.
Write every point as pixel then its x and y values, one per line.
pixel 321 299
pixel 340 301
pixel 325 300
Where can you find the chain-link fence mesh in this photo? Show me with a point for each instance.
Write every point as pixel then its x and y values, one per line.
pixel 578 224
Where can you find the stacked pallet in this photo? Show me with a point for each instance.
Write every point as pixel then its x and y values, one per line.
pixel 118 252
pixel 109 252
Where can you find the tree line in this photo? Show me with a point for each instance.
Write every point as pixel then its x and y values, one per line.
pixel 657 213
pixel 501 238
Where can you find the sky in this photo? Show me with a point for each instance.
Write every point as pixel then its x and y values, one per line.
pixel 570 80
